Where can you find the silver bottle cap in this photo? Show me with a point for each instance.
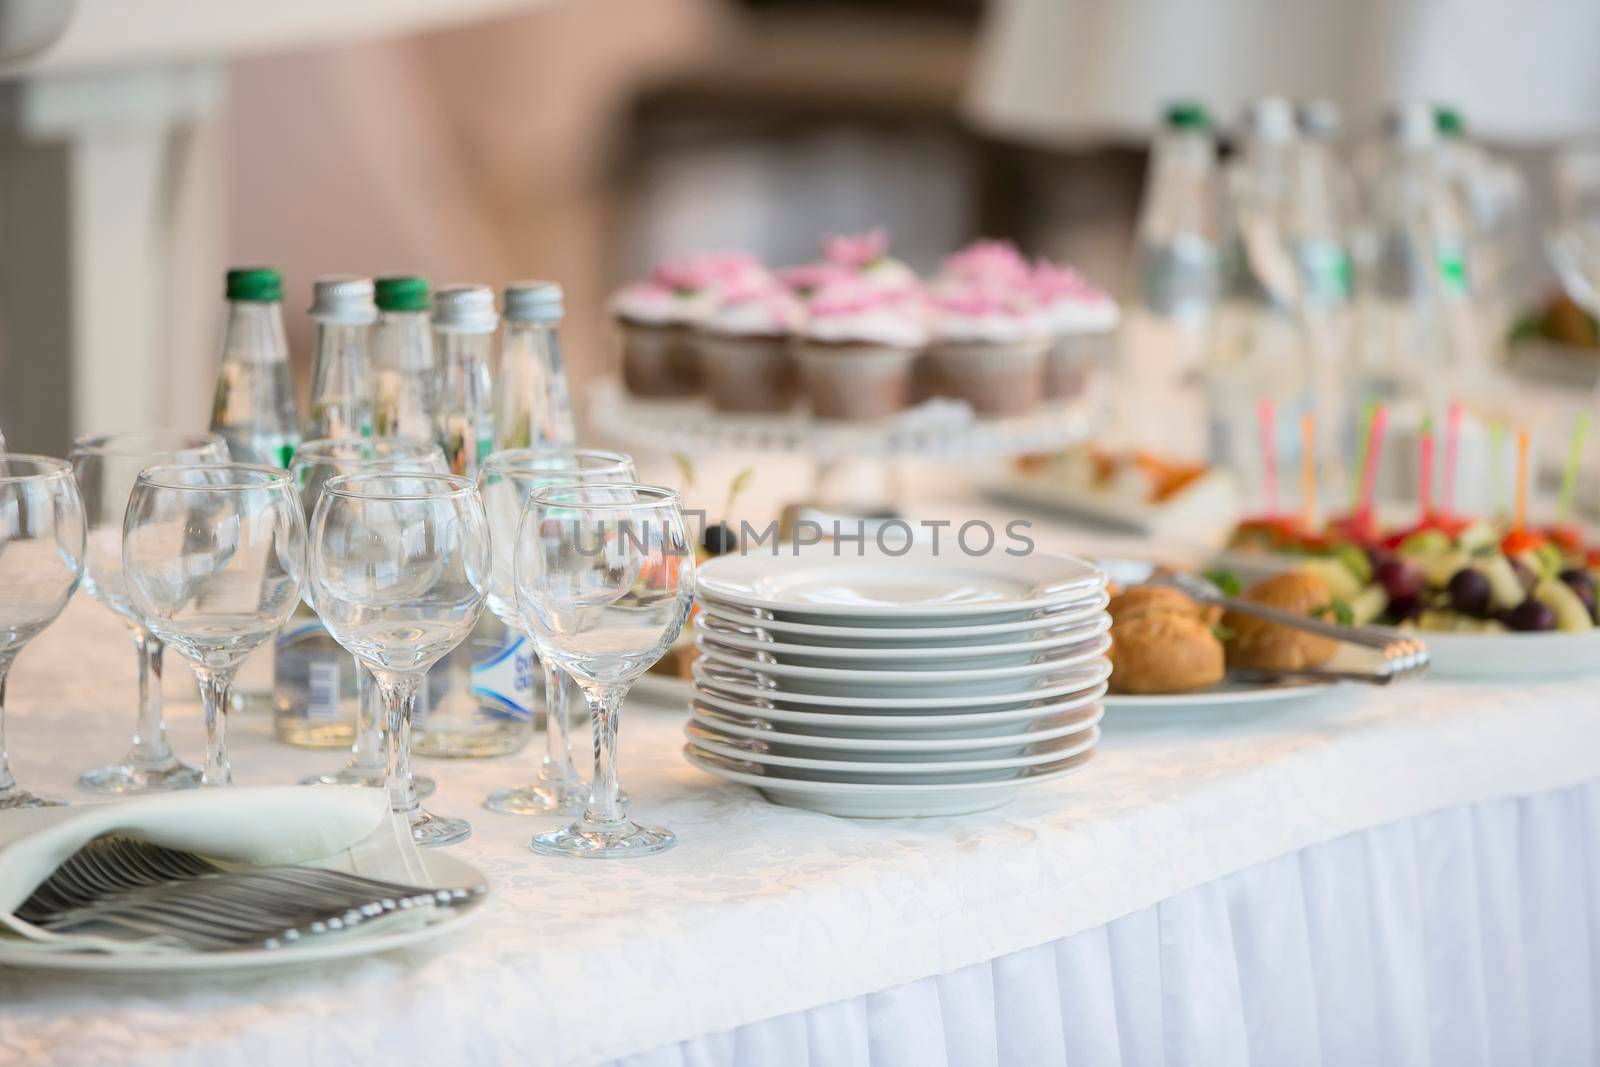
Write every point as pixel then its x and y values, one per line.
pixel 534 301
pixel 343 299
pixel 465 309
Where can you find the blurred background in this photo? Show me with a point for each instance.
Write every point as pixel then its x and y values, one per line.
pixel 148 146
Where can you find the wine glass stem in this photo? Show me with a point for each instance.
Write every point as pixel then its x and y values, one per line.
pixel 150 733
pixel 214 686
pixel 400 700
pixel 8 783
pixel 557 749
pixel 605 707
pixel 368 752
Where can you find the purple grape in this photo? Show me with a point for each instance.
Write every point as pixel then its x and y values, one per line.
pixel 1524 574
pixel 1531 615
pixel 1404 609
pixel 1469 592
pixel 1581 582
pixel 1377 556
pixel 1400 579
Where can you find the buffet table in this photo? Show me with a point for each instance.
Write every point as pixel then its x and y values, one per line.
pixel 1407 870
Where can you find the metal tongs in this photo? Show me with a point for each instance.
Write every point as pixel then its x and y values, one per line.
pixel 1403 657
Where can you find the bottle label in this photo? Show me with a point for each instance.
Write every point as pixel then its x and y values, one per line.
pixel 502 678
pixel 308 673
pixel 322 691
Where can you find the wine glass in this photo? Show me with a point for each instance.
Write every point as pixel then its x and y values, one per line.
pixel 399 570
pixel 506 481
pixel 314 463
pixel 41 562
pixel 106 466
pixel 213 554
pixel 604 577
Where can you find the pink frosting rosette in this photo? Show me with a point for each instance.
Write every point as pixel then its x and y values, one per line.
pixel 1070 303
pixel 756 307
pixel 856 310
pixel 998 262
pixel 866 255
pixel 987 311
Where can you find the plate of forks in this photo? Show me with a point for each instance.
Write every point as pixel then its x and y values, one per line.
pixel 126 906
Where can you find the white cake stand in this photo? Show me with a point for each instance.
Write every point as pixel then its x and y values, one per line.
pixel 853 461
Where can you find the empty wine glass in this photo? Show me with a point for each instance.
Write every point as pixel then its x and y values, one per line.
pixel 506 481
pixel 314 463
pixel 604 576
pixel 399 570
pixel 106 467
pixel 41 562
pixel 213 555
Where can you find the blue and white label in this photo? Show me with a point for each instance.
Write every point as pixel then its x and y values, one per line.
pixel 502 679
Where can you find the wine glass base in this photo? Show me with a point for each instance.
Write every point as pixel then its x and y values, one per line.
pixel 21 798
pixel 122 778
pixel 604 841
pixel 430 830
pixel 540 798
pixel 421 785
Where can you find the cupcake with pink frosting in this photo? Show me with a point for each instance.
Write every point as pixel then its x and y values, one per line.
pixel 656 318
pixel 744 346
pixel 857 347
pixel 1081 318
pixel 988 345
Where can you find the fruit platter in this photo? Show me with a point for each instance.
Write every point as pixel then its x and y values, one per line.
pixel 1490 598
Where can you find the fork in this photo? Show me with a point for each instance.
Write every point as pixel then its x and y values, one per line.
pixel 120 886
pixel 1403 657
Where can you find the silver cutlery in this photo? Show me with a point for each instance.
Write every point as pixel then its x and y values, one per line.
pixel 134 890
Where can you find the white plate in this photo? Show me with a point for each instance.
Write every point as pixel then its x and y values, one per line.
pixel 786 742
pixel 827 585
pixel 1070 682
pixel 1221 698
pixel 950 636
pixel 907 658
pixel 831 682
pixel 892 771
pixel 1510 656
pixel 872 801
pixel 444 870
pixel 1007 722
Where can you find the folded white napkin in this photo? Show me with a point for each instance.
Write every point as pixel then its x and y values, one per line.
pixel 342 827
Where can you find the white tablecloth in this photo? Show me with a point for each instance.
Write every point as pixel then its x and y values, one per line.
pixel 762 912
pixel 1456 937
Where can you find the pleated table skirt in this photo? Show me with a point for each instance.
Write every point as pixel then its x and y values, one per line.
pixel 1468 936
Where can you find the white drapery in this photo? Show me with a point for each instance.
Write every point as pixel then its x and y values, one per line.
pixel 1464 937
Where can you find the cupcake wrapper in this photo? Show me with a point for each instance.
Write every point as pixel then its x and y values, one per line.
pixel 996 379
pixel 659 361
pixel 855 382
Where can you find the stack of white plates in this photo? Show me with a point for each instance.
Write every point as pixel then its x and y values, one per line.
pixel 861 683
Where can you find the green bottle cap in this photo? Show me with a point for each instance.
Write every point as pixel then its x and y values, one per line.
pixel 255 285
pixel 1187 115
pixel 1447 120
pixel 401 292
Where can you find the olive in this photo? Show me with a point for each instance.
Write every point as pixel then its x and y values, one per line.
pixel 1403 608
pixel 1581 582
pixel 1469 592
pixel 1400 578
pixel 1531 615
pixel 719 540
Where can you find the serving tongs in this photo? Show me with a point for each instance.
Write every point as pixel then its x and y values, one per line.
pixel 1401 657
